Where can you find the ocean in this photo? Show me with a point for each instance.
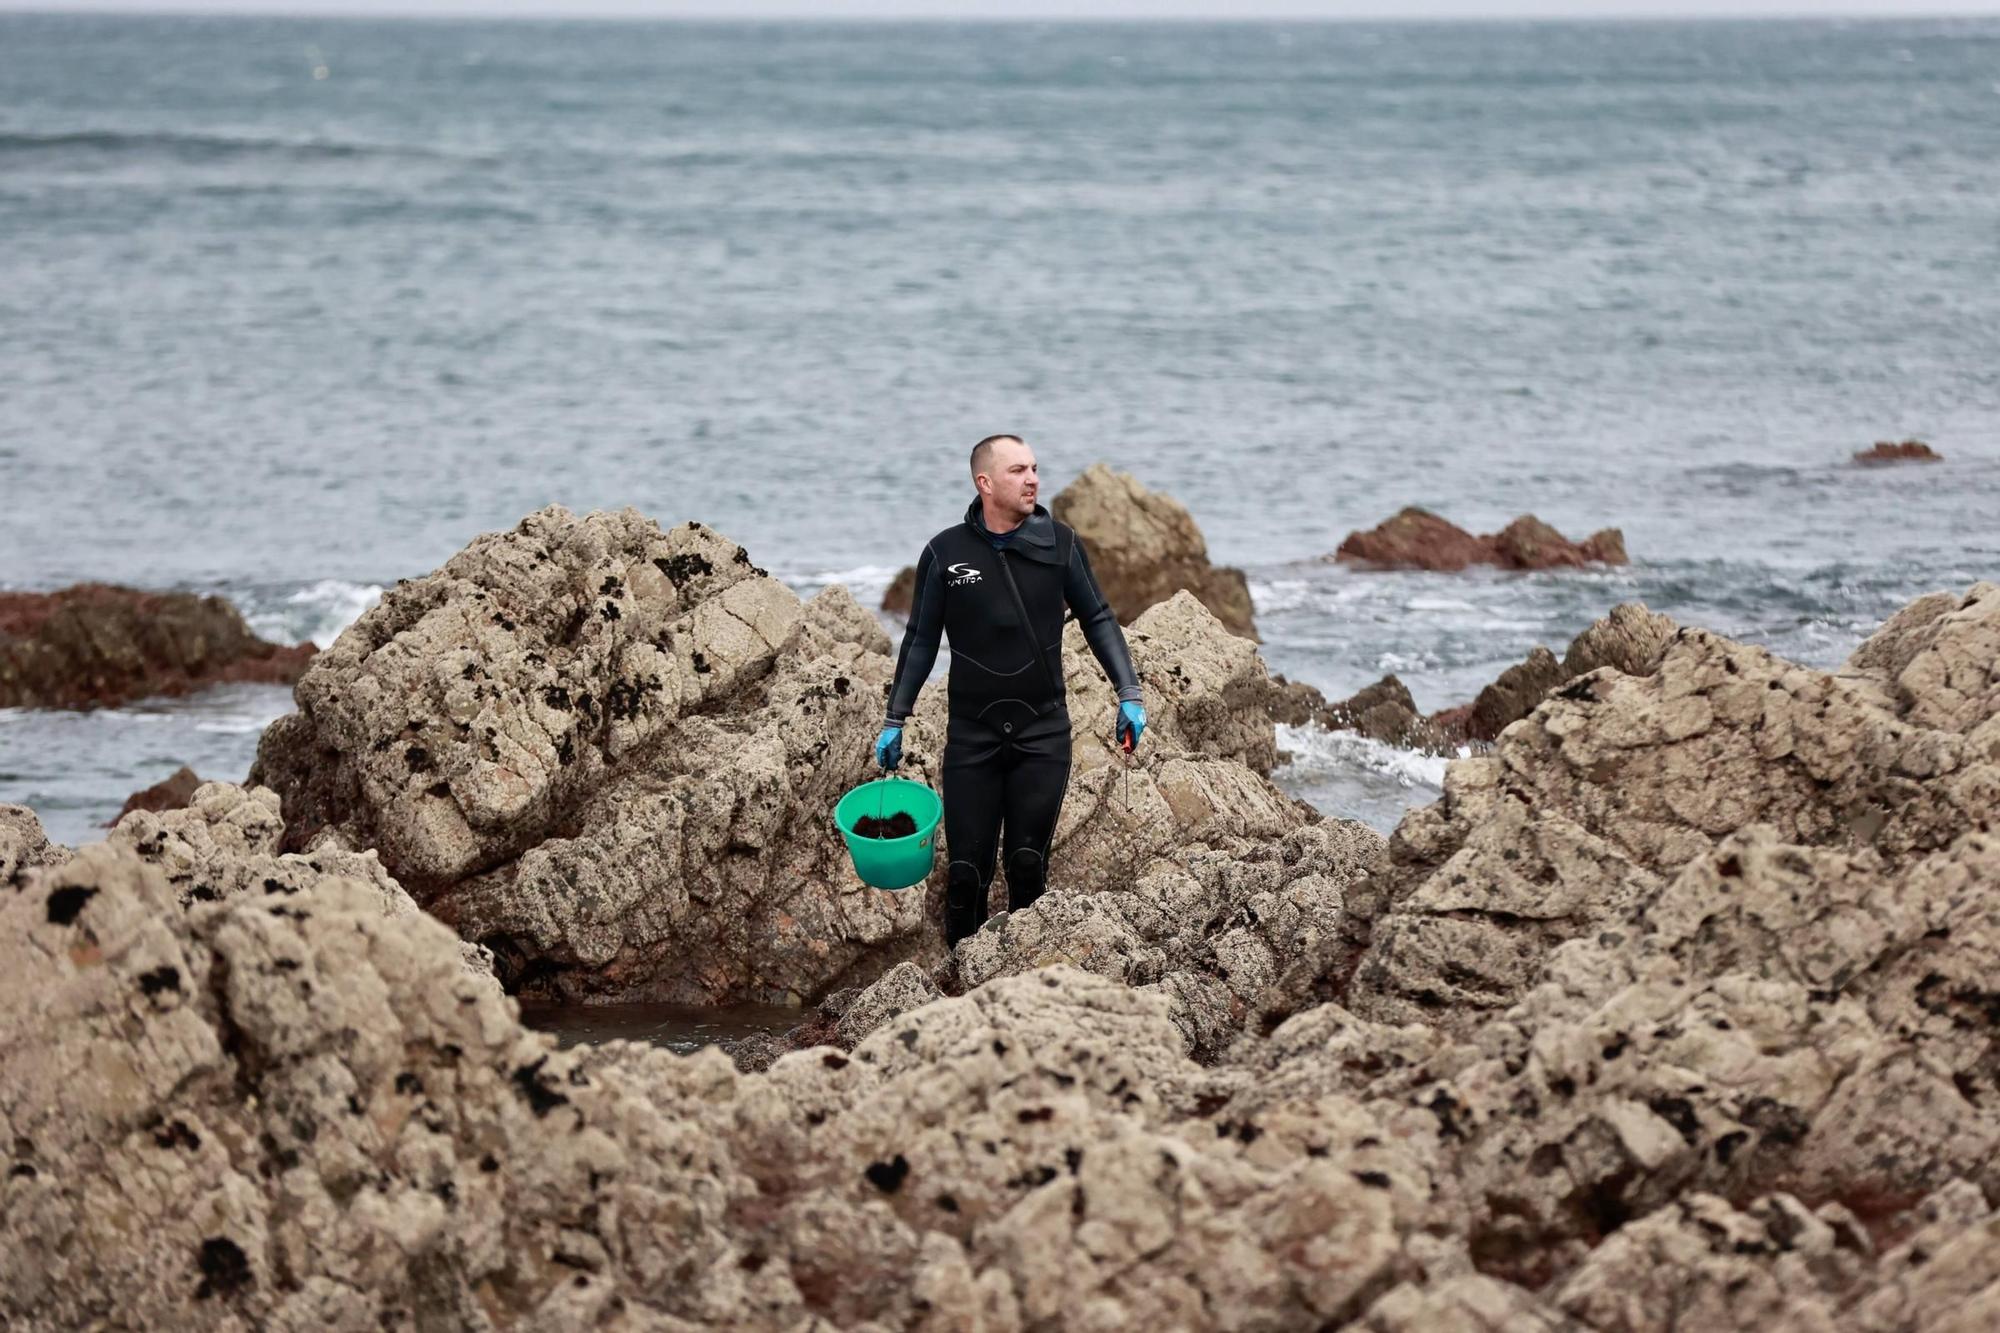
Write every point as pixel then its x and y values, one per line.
pixel 290 309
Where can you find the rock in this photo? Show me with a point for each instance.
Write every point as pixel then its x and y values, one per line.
pixel 1888 452
pixel 1223 938
pixel 1616 782
pixel 94 645
pixel 170 793
pixel 902 590
pixel 1418 539
pixel 1514 695
pixel 292 1113
pixel 1144 547
pixel 24 845
pixel 1630 640
pixel 608 753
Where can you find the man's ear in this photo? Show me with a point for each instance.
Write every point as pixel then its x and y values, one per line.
pixel 982 483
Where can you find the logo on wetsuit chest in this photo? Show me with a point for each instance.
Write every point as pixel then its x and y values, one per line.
pixel 962 574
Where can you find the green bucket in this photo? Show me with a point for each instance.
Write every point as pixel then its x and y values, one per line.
pixel 891 863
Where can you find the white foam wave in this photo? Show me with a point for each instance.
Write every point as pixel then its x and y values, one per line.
pixel 319 611
pixel 1317 753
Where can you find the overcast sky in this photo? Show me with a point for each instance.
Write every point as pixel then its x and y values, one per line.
pixel 1294 9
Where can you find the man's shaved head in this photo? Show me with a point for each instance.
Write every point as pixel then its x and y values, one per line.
pixel 982 453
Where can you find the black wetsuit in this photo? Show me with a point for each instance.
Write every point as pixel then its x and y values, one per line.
pixel 1000 599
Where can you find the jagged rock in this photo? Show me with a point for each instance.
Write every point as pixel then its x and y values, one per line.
pixel 24 845
pixel 1616 782
pixel 1144 547
pixel 1514 695
pixel 1221 937
pixel 1699 1263
pixel 94 646
pixel 1465 1303
pixel 610 753
pixel 1418 539
pixel 1630 640
pixel 170 793
pixel 1889 451
pixel 296 1113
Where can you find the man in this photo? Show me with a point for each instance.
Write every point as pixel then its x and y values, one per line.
pixel 996 584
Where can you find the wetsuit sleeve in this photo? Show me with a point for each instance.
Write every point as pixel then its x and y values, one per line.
pixel 1100 624
pixel 920 641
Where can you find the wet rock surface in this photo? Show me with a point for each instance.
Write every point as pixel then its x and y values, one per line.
pixel 1418 539
pixel 96 646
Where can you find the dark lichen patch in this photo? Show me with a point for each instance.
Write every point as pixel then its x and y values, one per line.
pixel 409 1084
pixel 541 1099
pixel 609 611
pixel 163 978
pixel 419 759
pixel 224 1268
pixel 176 1134
pixel 701 666
pixel 1036 1115
pixel 888 1176
pixel 1377 1180
pixel 688 565
pixel 67 902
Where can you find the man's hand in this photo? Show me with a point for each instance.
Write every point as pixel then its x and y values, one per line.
pixel 889 747
pixel 1131 724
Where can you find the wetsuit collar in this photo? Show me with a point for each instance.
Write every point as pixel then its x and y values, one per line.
pixel 1035 539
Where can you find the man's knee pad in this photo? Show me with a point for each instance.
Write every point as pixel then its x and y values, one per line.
pixel 963 886
pixel 964 902
pixel 1027 876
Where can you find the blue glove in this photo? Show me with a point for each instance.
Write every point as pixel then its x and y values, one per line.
pixel 1131 723
pixel 889 747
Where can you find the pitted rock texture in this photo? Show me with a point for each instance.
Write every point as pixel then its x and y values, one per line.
pixel 1144 547
pixel 1223 938
pixel 296 1113
pixel 24 845
pixel 1418 539
pixel 96 646
pixel 1616 782
pixel 1627 1074
pixel 610 753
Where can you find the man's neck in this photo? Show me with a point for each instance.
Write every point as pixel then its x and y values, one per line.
pixel 995 521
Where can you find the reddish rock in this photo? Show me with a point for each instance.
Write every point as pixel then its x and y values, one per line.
pixel 1418 539
pixel 901 591
pixel 1887 451
pixel 172 793
pixel 95 645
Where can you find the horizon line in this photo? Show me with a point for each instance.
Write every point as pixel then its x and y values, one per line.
pixel 344 14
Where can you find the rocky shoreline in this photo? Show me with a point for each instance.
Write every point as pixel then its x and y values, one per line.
pixel 1679 1010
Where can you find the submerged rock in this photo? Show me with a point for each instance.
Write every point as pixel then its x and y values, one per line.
pixel 1418 539
pixel 1889 451
pixel 96 646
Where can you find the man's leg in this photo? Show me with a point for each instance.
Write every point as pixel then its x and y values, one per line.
pixel 1035 783
pixel 973 789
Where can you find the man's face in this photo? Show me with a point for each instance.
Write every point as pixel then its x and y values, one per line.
pixel 1012 479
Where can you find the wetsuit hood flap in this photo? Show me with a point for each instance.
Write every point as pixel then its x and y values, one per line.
pixel 1035 539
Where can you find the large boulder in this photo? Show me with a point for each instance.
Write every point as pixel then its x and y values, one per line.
pixel 1144 547
pixel 610 753
pixel 95 646
pixel 172 792
pixel 1616 782
pixel 24 845
pixel 1418 539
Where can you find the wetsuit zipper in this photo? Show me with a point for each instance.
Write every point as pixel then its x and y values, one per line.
pixel 1034 636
